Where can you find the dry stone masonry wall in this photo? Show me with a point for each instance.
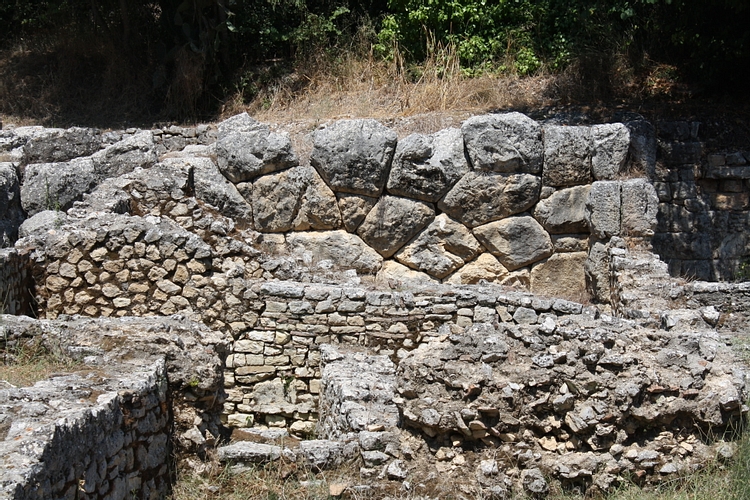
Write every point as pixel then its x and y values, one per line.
pixel 704 205
pixel 143 388
pixel 361 294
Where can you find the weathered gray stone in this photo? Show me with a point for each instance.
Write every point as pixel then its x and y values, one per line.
pixel 213 188
pixel 561 275
pixel 564 211
pixel 611 142
pixel 596 269
pixel 42 222
pixel 393 222
pixel 510 142
pixel 353 156
pixel 567 156
pixel 125 156
pixel 426 167
pixel 486 267
pixel 640 205
pixel 249 452
pixel 345 250
pixel 247 148
pixel 444 246
pixel 393 274
pixel 55 186
pixel 515 241
pixel 354 208
pixel 57 145
pixel 295 199
pixel 603 208
pixel 482 197
pixel 11 214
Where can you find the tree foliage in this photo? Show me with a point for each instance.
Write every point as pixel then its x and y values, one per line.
pixel 708 42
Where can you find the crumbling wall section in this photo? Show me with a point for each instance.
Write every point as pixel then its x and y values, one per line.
pixel 142 392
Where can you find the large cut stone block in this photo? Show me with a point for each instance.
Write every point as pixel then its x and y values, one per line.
pixel 247 148
pixel 603 208
pixel 426 167
pixel 640 204
pixel 564 211
pixel 345 250
pixel 353 156
pixel 611 142
pixel 515 241
pixel 55 186
pixel 509 142
pixel 567 156
pixel 482 197
pixel 562 275
pixel 444 246
pixel 354 208
pixel 393 222
pixel 486 267
pixel 295 199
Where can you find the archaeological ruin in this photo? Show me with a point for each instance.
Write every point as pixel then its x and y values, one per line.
pixel 509 303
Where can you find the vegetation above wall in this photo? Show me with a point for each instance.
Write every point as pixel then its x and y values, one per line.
pixel 111 60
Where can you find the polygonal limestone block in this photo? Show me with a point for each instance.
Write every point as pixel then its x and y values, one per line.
pixel 515 241
pixel 426 167
pixel 296 199
pixel 444 246
pixel 603 208
pixel 564 211
pixel 353 156
pixel 393 274
pixel 213 188
pixel 486 267
pixel 354 208
pixel 58 145
pixel 482 197
pixel 126 155
pixel 247 148
pixel 567 156
pixel 611 142
pixel 55 186
pixel 345 250
pixel 562 275
pixel 393 222
pixel 510 142
pixel 640 204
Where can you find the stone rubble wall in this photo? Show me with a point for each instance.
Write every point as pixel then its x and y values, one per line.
pixel 105 438
pixel 143 392
pixel 118 265
pixel 16 284
pixel 704 205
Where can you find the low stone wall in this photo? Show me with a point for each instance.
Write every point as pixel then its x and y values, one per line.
pixel 143 393
pixel 78 436
pixel 16 283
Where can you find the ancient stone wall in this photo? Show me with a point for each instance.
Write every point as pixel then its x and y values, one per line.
pixel 141 391
pixel 16 284
pixel 107 438
pixel 704 205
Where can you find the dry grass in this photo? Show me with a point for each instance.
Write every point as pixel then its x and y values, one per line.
pixel 24 365
pixel 357 84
